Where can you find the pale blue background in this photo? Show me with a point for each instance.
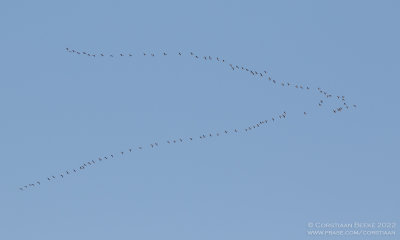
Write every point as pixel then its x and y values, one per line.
pixel 58 110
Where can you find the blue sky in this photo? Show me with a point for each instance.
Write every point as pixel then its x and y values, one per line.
pixel 60 110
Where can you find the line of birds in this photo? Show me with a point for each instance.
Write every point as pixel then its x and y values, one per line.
pixel 154 145
pixel 262 74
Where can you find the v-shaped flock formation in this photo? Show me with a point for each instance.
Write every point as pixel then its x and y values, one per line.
pixel 263 75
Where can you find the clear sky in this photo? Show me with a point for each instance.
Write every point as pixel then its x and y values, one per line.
pixel 60 110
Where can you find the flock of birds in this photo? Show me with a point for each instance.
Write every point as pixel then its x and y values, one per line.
pixel 264 75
